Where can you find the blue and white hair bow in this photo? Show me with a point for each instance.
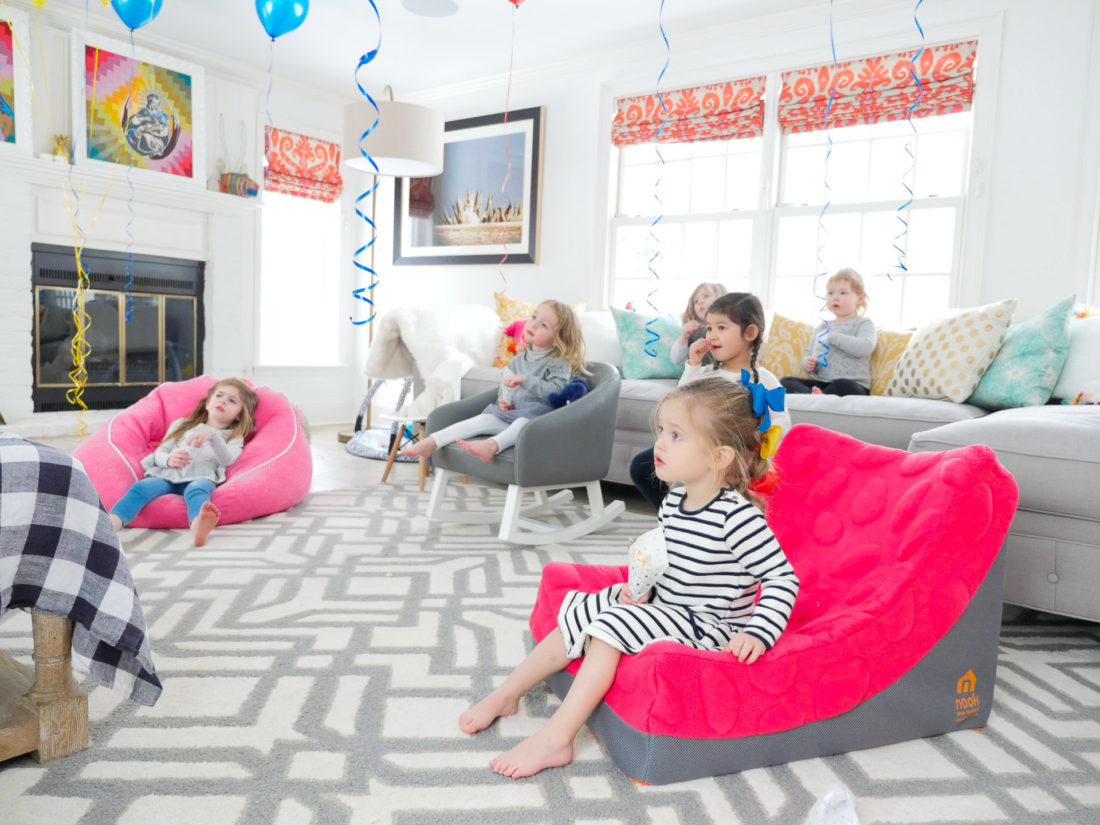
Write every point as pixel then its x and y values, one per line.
pixel 763 399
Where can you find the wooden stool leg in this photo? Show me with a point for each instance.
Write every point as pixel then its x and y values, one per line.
pixel 62 708
pixel 393 453
pixel 423 461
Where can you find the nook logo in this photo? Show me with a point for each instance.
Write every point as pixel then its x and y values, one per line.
pixel 967 703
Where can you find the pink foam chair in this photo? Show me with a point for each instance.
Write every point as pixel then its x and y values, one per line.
pixel 893 635
pixel 272 474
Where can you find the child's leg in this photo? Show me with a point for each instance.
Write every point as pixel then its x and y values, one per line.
pixel 202 515
pixel 546 659
pixel 484 423
pixel 552 745
pixel 140 493
pixel 486 448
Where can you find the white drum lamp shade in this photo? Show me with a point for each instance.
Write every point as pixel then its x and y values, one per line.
pixel 407 143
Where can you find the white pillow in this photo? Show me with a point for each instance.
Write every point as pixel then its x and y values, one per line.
pixel 601 340
pixel 1081 374
pixel 945 359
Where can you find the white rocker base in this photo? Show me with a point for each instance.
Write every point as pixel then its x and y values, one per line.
pixel 516 526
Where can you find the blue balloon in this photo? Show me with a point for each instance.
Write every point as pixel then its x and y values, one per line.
pixel 136 13
pixel 281 16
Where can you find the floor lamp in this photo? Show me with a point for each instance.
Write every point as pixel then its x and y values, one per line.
pixel 406 143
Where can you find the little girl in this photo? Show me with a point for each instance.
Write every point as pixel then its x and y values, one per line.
pixel 733 334
pixel 839 356
pixel 694 320
pixel 722 556
pixel 192 457
pixel 552 356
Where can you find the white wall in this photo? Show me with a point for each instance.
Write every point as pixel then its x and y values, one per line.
pixel 1032 221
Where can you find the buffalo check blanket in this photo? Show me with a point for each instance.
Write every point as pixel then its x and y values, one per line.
pixel 60 554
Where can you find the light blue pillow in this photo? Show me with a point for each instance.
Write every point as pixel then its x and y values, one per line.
pixel 633 335
pixel 1029 362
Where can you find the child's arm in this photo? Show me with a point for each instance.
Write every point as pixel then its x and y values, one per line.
pixel 860 343
pixel 814 349
pixel 551 378
pixel 693 372
pixel 752 542
pixel 678 352
pixel 225 451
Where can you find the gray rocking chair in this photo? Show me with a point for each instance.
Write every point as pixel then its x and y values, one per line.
pixel 569 447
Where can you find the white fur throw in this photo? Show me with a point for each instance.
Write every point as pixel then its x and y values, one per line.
pixel 430 337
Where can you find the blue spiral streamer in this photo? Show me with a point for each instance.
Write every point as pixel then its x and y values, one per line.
pixel 823 233
pixel 366 293
pixel 652 336
pixel 904 208
pixel 128 300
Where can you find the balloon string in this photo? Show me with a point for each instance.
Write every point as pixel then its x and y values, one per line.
pixel 910 173
pixel 508 156
pixel 652 336
pixel 366 293
pixel 823 233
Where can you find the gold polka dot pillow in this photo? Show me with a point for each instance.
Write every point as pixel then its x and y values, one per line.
pixel 889 345
pixel 781 352
pixel 946 359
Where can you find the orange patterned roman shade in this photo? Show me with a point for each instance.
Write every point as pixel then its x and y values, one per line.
pixel 716 111
pixel 877 89
pixel 303 166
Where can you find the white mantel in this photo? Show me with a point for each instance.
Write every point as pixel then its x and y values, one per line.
pixel 41 199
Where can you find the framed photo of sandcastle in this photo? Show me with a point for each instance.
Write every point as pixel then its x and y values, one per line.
pixel 15 87
pixel 139 109
pixel 483 208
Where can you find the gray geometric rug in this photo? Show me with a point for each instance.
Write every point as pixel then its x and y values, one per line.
pixel 315 663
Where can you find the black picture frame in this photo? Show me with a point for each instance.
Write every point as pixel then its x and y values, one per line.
pixel 455 217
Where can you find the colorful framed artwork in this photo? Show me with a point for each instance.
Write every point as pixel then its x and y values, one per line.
pixel 485 203
pixel 139 109
pixel 15 105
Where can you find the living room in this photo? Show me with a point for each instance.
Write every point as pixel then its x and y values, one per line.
pixel 1029 230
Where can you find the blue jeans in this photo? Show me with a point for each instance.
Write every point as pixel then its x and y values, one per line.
pixel 195 494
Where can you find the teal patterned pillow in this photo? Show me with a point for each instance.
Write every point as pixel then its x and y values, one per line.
pixel 631 327
pixel 1029 362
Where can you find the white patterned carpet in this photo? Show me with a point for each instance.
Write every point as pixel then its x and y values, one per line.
pixel 315 662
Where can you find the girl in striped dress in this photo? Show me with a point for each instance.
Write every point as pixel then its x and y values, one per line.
pixel 721 555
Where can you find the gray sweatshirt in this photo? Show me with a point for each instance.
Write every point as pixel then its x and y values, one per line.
pixel 543 373
pixel 850 346
pixel 208 461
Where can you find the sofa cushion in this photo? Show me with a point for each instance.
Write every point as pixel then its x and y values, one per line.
pixel 1081 372
pixel 877 419
pixel 1053 451
pixel 601 339
pixel 784 344
pixel 635 338
pixel 889 345
pixel 946 358
pixel 638 402
pixel 1028 365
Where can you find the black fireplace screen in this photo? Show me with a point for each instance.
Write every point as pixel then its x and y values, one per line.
pixel 156 338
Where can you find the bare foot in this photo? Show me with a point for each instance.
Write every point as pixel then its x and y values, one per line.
pixel 204 522
pixel 485 712
pixel 816 391
pixel 484 449
pixel 420 449
pixel 116 522
pixel 532 755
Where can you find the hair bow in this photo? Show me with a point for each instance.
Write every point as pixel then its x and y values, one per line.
pixel 762 399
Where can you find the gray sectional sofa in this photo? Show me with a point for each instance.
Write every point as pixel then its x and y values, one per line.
pixel 1053 546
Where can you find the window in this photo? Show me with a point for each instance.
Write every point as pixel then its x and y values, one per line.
pixel 299 281
pixel 718 219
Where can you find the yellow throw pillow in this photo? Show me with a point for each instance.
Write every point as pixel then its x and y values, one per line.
pixel 889 345
pixel 946 359
pixel 784 344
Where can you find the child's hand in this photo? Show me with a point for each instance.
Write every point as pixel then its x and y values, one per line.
pixel 626 597
pixel 512 380
pixel 196 438
pixel 811 364
pixel 697 351
pixel 689 328
pixel 506 405
pixel 746 647
pixel 179 459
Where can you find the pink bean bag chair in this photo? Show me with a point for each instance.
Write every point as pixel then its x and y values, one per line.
pixel 272 474
pixel 893 636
